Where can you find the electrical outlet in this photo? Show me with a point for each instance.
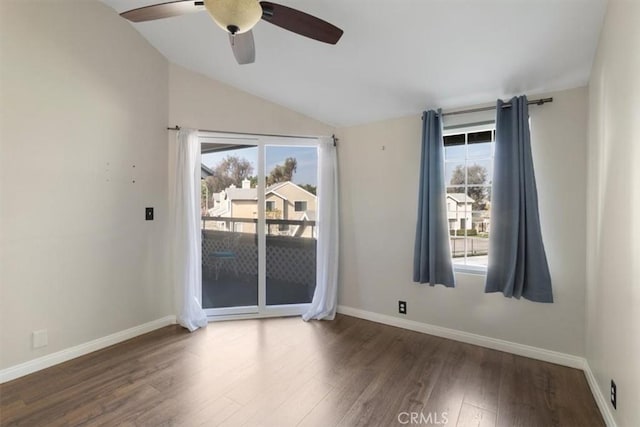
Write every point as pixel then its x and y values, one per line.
pixel 614 394
pixel 402 307
pixel 40 338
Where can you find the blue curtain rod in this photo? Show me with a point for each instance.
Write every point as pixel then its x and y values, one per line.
pixel 506 105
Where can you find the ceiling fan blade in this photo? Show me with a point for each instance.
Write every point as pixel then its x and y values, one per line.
pixel 243 47
pixel 163 10
pixel 300 23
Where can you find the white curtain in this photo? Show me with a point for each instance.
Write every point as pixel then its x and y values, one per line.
pixel 325 298
pixel 186 222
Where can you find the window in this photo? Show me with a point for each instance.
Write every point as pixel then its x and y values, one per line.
pixel 271 205
pixel 300 206
pixel 468 156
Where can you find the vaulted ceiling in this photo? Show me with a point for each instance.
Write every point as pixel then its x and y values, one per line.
pixel 396 57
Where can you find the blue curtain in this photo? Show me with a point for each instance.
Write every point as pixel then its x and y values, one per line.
pixel 432 253
pixel 517 260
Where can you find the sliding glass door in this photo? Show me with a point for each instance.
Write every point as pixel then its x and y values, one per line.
pixel 258 203
pixel 229 225
pixel 291 206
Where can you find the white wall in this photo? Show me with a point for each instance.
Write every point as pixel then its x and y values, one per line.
pixel 379 190
pixel 84 99
pixel 613 293
pixel 198 102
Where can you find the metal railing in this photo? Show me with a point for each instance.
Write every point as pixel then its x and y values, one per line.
pixel 474 246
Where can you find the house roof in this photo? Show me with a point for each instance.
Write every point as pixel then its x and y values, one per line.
pixel 242 193
pixel 205 171
pixel 234 193
pixel 460 197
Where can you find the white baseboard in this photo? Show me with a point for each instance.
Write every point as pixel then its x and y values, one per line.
pixel 563 359
pixel 496 344
pixel 43 362
pixel 480 340
pixel 602 402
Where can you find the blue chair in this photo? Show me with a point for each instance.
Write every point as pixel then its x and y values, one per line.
pixel 227 255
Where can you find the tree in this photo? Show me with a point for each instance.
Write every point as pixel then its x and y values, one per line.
pixel 310 188
pixel 476 175
pixel 283 173
pixel 206 201
pixel 231 170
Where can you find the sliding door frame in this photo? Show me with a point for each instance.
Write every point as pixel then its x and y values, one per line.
pixel 261 142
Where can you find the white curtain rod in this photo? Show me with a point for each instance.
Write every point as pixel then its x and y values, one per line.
pixel 176 127
pixel 335 140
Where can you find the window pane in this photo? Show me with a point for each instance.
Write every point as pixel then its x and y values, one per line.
pixel 479 172
pixel 481 151
pixel 291 227
pixel 455 153
pixel 479 197
pixel 479 137
pixel 229 216
pixel 451 140
pixel 458 207
pixel 454 173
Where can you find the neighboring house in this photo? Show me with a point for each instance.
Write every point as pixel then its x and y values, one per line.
pixel 284 200
pixel 482 221
pixel 459 207
pixel 205 171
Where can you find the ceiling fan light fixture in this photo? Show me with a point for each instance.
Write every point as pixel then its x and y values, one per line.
pixel 234 16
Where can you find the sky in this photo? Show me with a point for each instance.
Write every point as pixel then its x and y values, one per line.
pixel 307 158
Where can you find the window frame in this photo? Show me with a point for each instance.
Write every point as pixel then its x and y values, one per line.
pixel 269 203
pixel 466 129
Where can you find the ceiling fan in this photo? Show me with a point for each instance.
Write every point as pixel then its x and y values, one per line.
pixel 238 17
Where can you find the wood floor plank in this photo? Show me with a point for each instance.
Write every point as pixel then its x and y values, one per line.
pixel 284 372
pixel 483 385
pixel 333 407
pixel 473 416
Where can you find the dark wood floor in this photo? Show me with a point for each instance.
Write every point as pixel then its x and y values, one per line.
pixel 285 372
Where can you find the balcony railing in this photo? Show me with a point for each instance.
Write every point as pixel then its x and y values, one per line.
pixel 274 226
pixel 289 258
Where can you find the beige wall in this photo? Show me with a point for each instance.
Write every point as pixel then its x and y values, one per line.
pixel 278 204
pixel 201 103
pixel 376 253
pixel 613 293
pixel 84 99
pixel 244 209
pixel 296 194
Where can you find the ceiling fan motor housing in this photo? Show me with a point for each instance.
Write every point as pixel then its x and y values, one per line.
pixel 234 16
